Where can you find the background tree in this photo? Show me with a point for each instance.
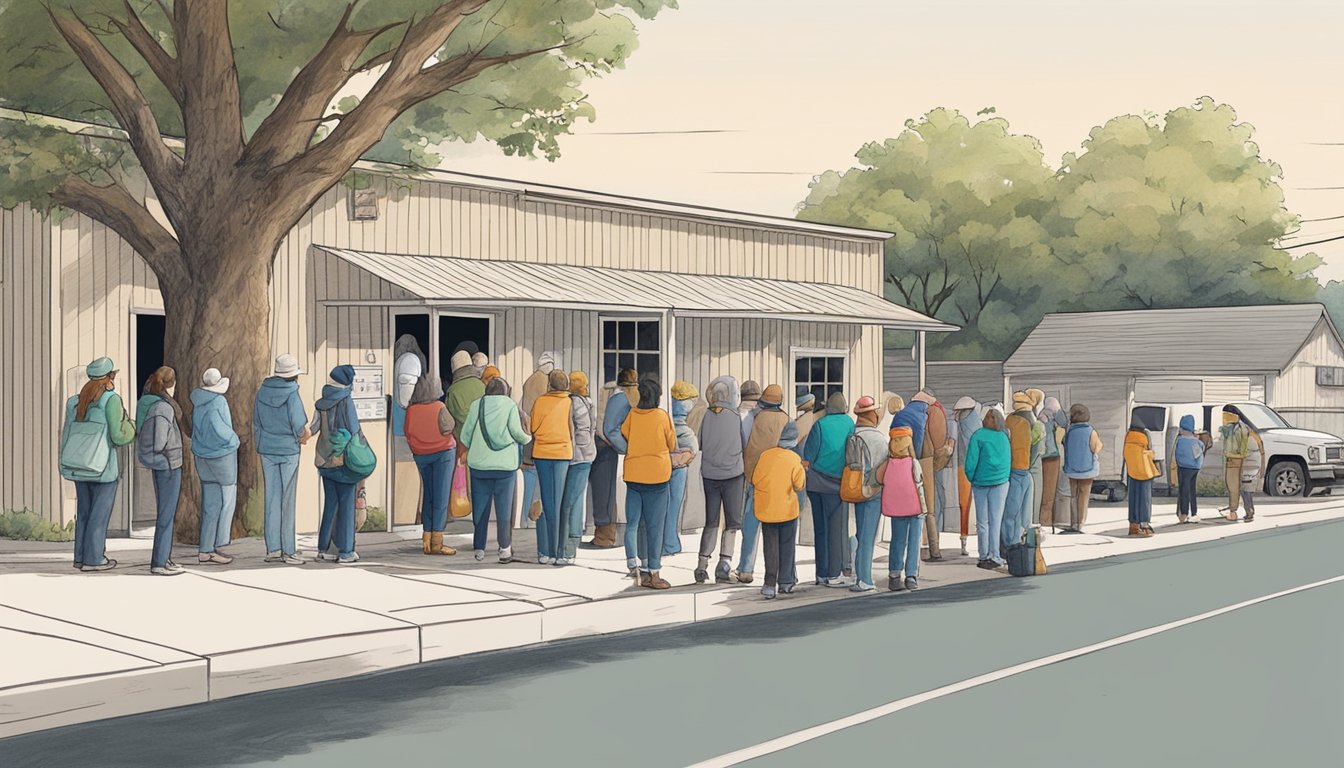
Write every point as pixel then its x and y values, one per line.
pixel 248 87
pixel 965 201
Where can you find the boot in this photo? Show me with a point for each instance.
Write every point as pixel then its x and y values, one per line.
pixel 437 547
pixel 425 541
pixel 654 581
pixel 1134 530
pixel 605 536
pixel 1145 530
pixel 534 512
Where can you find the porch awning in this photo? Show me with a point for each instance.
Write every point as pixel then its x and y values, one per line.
pixel 494 284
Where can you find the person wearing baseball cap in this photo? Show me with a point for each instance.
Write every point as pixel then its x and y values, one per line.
pixel 766 425
pixel 868 513
pixel 280 427
pixel 966 419
pixel 95 473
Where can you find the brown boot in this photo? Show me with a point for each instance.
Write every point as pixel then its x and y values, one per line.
pixel 605 536
pixel 534 512
pixel 654 581
pixel 1145 530
pixel 437 547
pixel 1134 530
pixel 425 543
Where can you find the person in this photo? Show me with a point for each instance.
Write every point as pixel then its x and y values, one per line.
pixel 1022 436
pixel 488 373
pixel 966 419
pixel 650 442
pixel 1239 443
pixel 552 428
pixel 824 459
pixel 492 436
pixel 429 433
pixel 467 388
pixel 1252 474
pixel 916 416
pixel 1189 461
pixel 1082 464
pixel 95 487
pixel 935 457
pixel 778 478
pixel 684 396
pixel 214 446
pixel 868 514
pixel 904 501
pixel 722 473
pixel 747 409
pixel 480 360
pixel 1037 468
pixel 408 365
pixel 583 418
pixel 988 466
pixel 805 417
pixel 280 427
pixel 1050 453
pixel 610 447
pixel 159 447
pixel 766 424
pixel 534 387
pixel 1139 473
pixel 335 411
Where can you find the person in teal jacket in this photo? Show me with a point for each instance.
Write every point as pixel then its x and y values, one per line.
pixel 493 434
pixel 988 466
pixel 96 494
pixel 824 457
pixel 214 444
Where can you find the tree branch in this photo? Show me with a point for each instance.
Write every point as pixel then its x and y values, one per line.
pixel 212 103
pixel 115 207
pixel 160 63
pixel 128 103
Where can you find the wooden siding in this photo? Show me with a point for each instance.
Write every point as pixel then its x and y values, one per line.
pixel 1296 386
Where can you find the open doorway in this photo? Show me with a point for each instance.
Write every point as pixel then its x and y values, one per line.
pixel 405 497
pixel 458 329
pixel 148 331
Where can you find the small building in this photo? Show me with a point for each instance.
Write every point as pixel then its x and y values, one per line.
pixel 949 380
pixel 607 282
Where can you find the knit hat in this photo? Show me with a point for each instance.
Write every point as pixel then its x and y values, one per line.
pixel 1051 405
pixel 212 381
pixel 751 390
pixel 924 396
pixel 490 372
pixel 684 390
pixel 558 381
pixel 773 394
pixel 286 366
pixel 343 375
pixel 1036 396
pixel 548 358
pixel 100 368
pixel 789 437
pixel 806 402
pixel 965 404
pixel 480 360
pixel 836 403
pixel 895 404
pixel 628 377
pixel 865 404
pixel 1078 414
pixel 1188 423
pixel 1022 402
pixel 460 359
pixel 900 441
pixel 578 383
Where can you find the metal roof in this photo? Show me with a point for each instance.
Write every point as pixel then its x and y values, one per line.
pixel 1212 340
pixel 489 283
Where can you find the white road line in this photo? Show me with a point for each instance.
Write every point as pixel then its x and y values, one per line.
pixel 825 729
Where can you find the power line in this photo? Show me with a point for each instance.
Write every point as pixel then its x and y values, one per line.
pixel 1327 218
pixel 1315 242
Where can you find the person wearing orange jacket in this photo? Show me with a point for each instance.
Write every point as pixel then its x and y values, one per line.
pixel 778 479
pixel 1140 470
pixel 552 445
pixel 650 442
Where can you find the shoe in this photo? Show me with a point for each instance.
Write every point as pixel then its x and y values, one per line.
pixel 786 589
pixel 911 583
pixel 1182 519
pixel 1135 530
pixel 506 555
pixel 279 557
pixel 894 583
pixel 1193 520
pixel 644 578
pixel 964 551
pixel 723 573
pixel 1231 517
pixel 437 547
pixel 635 573
pixel 165 571
pixel 838 581
pixel 479 555
pixel 744 577
pixel 213 558
pixel 1146 530
pixel 545 559
pixel 862 586
pixel 768 593
pixel 424 543
pixel 79 566
pixel 174 567
pixel 1249 517
pixel 349 559
pixel 821 581
pixel 933 559
pixel 701 575
pixel 988 565
pixel 654 581
pixel 534 512
pixel 564 561
pixel 604 537
pixel 326 556
pixel 294 559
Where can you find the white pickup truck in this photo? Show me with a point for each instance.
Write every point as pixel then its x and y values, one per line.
pixel 1298 462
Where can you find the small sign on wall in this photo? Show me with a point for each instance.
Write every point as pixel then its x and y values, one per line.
pixel 371 408
pixel 367 392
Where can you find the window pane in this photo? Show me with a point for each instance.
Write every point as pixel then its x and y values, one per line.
pixel 648 336
pixel 819 392
pixel 832 389
pixel 818 369
pixel 648 364
pixel 799 390
pixel 800 369
pixel 835 369
pixel 626 335
pixel 609 367
pixel 627 359
pixel 608 334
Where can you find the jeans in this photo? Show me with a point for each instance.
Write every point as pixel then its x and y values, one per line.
pixel 93 512
pixel 1017 509
pixel 828 533
pixel 492 487
pixel 571 510
pixel 217 506
pixel 1140 501
pixel 167 490
pixel 634 543
pixel 778 545
pixel 751 528
pixel 602 481
pixel 436 478
pixel 672 528
pixel 867 516
pixel 1187 502
pixel 281 475
pixel 1037 492
pixel 941 476
pixel 989 504
pixel 550 475
pixel 530 478
pixel 653 502
pixel 338 516
pixel 726 495
pixel 905 533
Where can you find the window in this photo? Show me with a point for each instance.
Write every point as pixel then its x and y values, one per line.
pixel 1329 376
pixel 631 344
pixel 822 375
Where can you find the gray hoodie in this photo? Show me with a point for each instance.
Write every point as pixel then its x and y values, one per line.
pixel 159 441
pixel 721 432
pixel 583 416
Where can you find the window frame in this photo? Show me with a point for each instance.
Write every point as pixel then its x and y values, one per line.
pixel 1338 375
pixel 802 353
pixel 602 350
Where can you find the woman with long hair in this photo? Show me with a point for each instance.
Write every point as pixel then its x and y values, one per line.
pixel 99 412
pixel 159 446
pixel 492 435
pixel 429 434
pixel 1139 471
pixel 988 465
pixel 651 440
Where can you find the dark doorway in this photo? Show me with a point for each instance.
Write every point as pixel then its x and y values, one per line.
pixel 417 326
pixel 455 329
pixel 149 341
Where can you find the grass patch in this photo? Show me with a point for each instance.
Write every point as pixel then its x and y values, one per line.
pixel 376 522
pixel 254 512
pixel 27 525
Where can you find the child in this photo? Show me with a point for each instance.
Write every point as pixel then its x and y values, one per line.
pixel 903 502
pixel 1189 460
pixel 777 478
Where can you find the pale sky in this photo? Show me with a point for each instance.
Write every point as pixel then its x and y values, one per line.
pixel 790 89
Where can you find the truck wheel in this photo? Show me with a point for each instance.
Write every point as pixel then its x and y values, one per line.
pixel 1287 478
pixel 1116 492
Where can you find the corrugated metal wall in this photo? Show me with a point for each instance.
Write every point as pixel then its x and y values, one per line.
pixel 1296 386
pixel 982 380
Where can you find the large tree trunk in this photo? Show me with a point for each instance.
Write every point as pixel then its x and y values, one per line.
pixel 221 319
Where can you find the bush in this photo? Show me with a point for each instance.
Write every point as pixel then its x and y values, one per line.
pixel 254 512
pixel 27 525
pixel 1211 488
pixel 376 522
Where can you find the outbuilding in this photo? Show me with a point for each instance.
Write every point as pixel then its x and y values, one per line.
pixel 608 282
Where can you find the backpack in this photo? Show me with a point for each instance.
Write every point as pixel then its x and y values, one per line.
pixel 857 483
pixel 85 447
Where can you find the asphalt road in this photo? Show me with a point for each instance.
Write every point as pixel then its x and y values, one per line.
pixel 1253 686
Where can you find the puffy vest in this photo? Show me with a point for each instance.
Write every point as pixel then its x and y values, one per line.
pixel 1019 435
pixel 1080 462
pixel 900 493
pixel 422 429
pixel 1189 452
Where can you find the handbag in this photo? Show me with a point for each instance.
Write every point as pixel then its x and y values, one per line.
pixel 856 481
pixel 459 503
pixel 85 450
pixel 359 456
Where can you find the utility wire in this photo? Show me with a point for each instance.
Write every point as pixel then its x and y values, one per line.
pixel 1315 242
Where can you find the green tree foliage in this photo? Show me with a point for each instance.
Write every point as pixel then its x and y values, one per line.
pixel 1152 213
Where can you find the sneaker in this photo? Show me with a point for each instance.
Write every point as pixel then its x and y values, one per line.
pixel 862 586
pixel 213 558
pixel 79 566
pixel 911 583
pixel 1193 520
pixel 174 567
pixel 479 555
pixel 988 565
pixel 786 589
pixel 723 573
pixel 165 571
pixel 326 556
pixel 545 560
pixel 506 555
pixel 349 559
pixel 564 561
pixel 701 575
pixel 768 593
pixel 277 557
pixel 838 581
pixel 964 551
pixel 821 581
pixel 107 565
pixel 296 560
pixel 894 583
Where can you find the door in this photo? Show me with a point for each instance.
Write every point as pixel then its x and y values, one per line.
pixel 411 344
pixel 1154 421
pixel 453 331
pixel 147 338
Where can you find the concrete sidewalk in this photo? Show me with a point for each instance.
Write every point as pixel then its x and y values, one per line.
pixel 81 647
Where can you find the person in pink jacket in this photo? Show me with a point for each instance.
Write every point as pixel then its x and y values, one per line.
pixel 904 503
